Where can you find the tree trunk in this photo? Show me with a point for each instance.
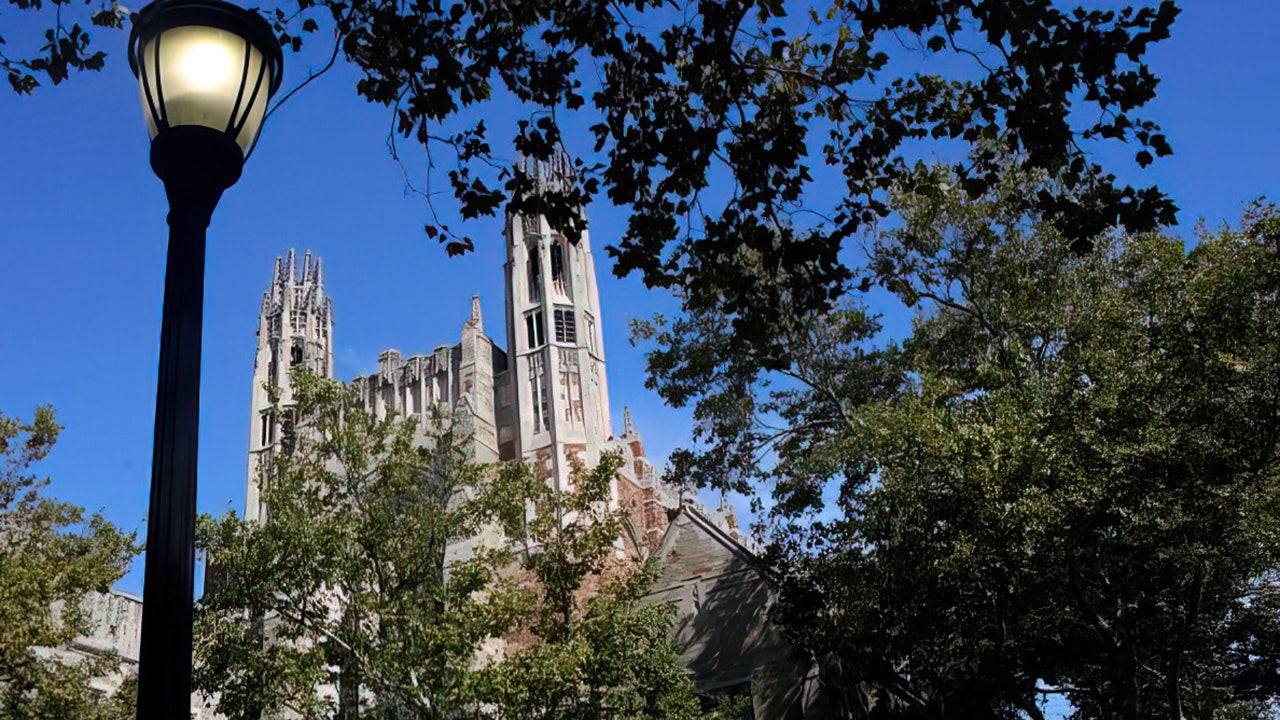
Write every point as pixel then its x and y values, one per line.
pixel 1173 674
pixel 349 674
pixel 258 627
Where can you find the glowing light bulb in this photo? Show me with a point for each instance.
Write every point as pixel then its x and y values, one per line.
pixel 207 64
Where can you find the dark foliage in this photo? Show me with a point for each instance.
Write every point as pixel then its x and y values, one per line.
pixel 720 124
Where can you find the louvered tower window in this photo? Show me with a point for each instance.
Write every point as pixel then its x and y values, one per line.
pixel 566 328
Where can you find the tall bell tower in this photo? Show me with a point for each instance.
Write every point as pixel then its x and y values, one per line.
pixel 557 373
pixel 295 328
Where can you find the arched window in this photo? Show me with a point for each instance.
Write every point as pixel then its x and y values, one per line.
pixel 288 435
pixel 557 267
pixel 536 331
pixel 535 274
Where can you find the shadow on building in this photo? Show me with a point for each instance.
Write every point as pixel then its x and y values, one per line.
pixel 723 631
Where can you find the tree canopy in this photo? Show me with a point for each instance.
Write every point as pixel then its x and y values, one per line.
pixel 1063 482
pixel 51 558
pixel 725 127
pixel 395 578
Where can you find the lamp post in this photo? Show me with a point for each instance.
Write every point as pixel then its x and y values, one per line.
pixel 205 70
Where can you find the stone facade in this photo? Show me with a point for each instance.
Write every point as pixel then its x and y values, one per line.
pixel 457 378
pixel 545 400
pixel 116 618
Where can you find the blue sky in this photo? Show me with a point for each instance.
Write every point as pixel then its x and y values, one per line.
pixel 82 243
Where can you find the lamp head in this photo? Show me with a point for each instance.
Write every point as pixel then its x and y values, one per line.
pixel 205 64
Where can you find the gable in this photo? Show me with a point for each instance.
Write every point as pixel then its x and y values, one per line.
pixel 721 602
pixel 693 547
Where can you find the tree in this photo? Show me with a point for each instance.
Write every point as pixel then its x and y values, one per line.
pixel 728 125
pixel 596 651
pixel 349 586
pixel 66 44
pixel 51 557
pixel 1063 482
pixel 344 586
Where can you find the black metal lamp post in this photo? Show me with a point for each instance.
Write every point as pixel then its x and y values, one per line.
pixel 206 70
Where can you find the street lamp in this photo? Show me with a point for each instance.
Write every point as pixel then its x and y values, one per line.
pixel 206 70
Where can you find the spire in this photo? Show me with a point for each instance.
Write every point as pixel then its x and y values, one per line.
pixel 628 428
pixel 277 283
pixel 554 173
pixel 476 320
pixel 292 262
pixel 729 516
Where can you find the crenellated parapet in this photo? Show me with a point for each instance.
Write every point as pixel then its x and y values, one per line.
pixel 455 379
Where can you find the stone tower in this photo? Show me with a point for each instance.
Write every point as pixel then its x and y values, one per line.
pixel 295 328
pixel 557 367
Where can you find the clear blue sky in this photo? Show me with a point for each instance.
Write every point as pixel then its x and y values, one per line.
pixel 82 243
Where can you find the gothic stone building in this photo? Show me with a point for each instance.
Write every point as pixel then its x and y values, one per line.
pixel 545 400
